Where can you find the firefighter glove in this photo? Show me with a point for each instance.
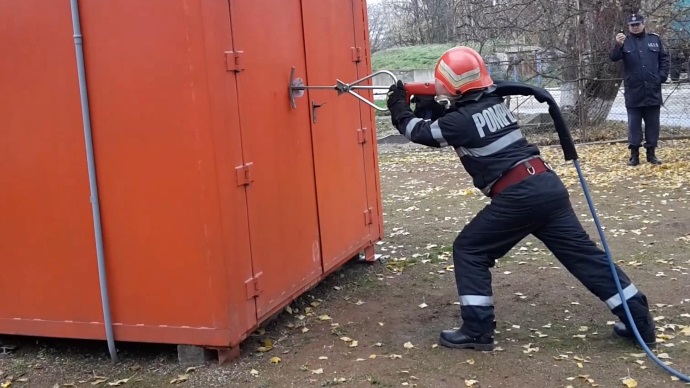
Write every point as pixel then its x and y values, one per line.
pixel 426 107
pixel 396 93
pixel 397 102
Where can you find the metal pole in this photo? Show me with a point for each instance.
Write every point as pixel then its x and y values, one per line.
pixel 76 24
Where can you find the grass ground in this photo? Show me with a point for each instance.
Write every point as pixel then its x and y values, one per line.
pixel 376 325
pixel 409 58
pixel 421 56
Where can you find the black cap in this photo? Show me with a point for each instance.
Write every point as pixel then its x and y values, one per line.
pixel 635 18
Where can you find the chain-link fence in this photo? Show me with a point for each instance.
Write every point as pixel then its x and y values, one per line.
pixel 590 104
pixel 594 108
pixel 561 45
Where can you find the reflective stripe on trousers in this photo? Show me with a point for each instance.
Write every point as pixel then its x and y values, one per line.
pixel 616 301
pixel 476 300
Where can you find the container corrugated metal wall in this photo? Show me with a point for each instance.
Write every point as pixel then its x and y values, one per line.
pixel 220 203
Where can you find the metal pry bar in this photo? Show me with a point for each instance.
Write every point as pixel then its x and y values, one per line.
pixel 297 87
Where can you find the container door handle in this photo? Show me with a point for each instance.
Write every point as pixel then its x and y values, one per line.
pixel 314 107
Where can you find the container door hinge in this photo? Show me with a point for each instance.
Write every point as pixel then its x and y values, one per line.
pixel 232 61
pixel 244 174
pixel 253 287
pixel 356 54
pixel 368 216
pixel 362 135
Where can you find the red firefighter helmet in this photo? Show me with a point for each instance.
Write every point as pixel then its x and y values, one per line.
pixel 460 70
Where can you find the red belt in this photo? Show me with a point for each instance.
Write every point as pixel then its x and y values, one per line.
pixel 516 174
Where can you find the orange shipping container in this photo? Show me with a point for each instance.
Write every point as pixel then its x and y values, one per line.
pixel 219 202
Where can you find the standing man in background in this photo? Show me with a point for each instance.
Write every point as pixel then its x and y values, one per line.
pixel 645 67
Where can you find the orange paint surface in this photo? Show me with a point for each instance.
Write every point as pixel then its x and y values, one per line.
pixel 198 249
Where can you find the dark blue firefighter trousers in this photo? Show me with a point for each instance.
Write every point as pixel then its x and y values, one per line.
pixel 539 205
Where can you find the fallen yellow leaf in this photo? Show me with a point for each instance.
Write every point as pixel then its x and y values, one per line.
pixel 275 360
pixel 470 383
pixel 630 382
pixel 118 382
pixel 180 379
pixel 268 345
pixel 530 349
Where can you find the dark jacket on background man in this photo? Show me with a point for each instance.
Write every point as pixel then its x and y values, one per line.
pixel 645 67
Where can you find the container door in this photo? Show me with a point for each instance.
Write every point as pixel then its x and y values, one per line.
pixel 165 115
pixel 338 135
pixel 368 118
pixel 277 146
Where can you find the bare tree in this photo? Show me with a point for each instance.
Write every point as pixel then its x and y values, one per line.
pixel 569 40
pixel 379 16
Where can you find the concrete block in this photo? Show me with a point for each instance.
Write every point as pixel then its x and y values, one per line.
pixel 194 355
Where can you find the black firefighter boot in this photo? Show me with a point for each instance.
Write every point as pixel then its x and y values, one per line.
pixel 646 328
pixel 634 156
pixel 651 157
pixel 459 340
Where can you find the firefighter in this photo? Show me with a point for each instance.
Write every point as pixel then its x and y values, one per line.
pixel 645 66
pixel 527 197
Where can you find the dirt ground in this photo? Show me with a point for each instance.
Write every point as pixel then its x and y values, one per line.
pixel 377 324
